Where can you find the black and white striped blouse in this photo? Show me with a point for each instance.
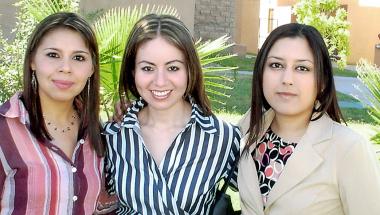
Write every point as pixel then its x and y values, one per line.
pixel 185 181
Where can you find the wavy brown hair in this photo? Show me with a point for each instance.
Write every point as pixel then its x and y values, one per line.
pixel 175 32
pixel 326 93
pixel 86 104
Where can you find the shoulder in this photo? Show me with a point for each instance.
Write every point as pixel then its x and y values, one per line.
pixel 111 128
pixel 12 107
pixel 326 130
pixel 350 146
pixel 211 123
pixel 224 126
pixel 346 136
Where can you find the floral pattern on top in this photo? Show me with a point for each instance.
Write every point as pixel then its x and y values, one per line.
pixel 270 156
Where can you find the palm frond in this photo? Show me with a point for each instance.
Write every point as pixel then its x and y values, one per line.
pixel 42 8
pixel 210 54
pixel 112 30
pixel 369 74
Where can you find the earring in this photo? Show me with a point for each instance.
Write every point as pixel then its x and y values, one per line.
pixel 88 87
pixel 34 81
pixel 317 106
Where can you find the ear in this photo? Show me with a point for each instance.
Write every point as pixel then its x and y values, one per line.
pixel 92 72
pixel 33 65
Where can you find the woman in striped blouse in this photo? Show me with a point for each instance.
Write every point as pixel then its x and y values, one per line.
pixel 169 152
pixel 50 144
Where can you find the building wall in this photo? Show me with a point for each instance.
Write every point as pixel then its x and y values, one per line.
pixel 365 27
pixel 247 24
pixel 7 17
pixel 214 18
pixel 185 10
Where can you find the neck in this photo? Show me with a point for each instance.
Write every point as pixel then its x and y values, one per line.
pixel 57 111
pixel 176 116
pixel 290 128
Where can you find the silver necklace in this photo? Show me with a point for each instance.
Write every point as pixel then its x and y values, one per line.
pixel 66 128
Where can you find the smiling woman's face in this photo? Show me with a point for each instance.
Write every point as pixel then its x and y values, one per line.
pixel 161 74
pixel 62 63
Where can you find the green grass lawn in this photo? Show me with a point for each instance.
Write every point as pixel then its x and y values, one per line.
pixel 345 97
pixel 345 73
pixel 240 98
pixel 245 63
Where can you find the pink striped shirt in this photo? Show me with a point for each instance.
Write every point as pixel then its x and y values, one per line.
pixel 37 177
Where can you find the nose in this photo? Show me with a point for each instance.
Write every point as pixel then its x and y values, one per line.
pixel 161 77
pixel 65 66
pixel 287 76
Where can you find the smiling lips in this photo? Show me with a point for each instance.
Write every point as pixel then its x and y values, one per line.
pixel 286 95
pixel 61 84
pixel 161 94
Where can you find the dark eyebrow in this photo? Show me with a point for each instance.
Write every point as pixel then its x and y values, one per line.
pixel 147 62
pixel 299 60
pixel 173 61
pixel 150 63
pixel 76 52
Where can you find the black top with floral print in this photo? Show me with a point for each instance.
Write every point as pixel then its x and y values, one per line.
pixel 270 156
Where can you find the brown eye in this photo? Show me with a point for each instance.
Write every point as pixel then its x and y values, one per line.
pixel 52 55
pixel 302 69
pixel 276 65
pixel 173 68
pixel 147 69
pixel 79 58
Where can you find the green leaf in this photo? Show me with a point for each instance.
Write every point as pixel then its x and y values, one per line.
pixel 369 74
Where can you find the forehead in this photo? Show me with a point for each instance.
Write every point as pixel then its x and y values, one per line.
pixel 293 48
pixel 159 48
pixel 63 38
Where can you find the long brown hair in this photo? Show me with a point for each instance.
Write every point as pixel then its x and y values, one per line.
pixel 175 32
pixel 87 102
pixel 326 93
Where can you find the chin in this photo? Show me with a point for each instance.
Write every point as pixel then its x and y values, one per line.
pixel 63 98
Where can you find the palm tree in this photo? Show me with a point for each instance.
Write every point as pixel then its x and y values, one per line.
pixel 369 74
pixel 112 30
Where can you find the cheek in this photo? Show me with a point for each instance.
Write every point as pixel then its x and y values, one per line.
pixel 184 80
pixel 140 80
pixel 86 68
pixel 309 88
pixel 180 79
pixel 42 66
pixel 268 82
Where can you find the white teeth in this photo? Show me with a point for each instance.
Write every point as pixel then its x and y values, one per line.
pixel 161 93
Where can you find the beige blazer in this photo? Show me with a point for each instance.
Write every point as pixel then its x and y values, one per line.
pixel 333 170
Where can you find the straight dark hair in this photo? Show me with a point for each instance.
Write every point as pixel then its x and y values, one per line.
pixel 175 32
pixel 326 93
pixel 87 102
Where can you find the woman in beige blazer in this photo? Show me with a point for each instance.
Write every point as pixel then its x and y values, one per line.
pixel 296 157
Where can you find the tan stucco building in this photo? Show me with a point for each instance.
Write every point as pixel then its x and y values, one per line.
pixel 185 9
pixel 256 18
pixel 247 21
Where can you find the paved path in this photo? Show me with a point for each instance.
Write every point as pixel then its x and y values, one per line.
pixel 353 87
pixel 347 85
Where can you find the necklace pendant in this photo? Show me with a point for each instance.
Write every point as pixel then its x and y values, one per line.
pixel 65 129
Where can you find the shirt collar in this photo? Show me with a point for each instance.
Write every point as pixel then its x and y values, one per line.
pixel 14 108
pixel 207 123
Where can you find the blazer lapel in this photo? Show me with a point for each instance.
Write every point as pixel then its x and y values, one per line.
pixel 304 160
pixel 251 176
pixel 251 191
